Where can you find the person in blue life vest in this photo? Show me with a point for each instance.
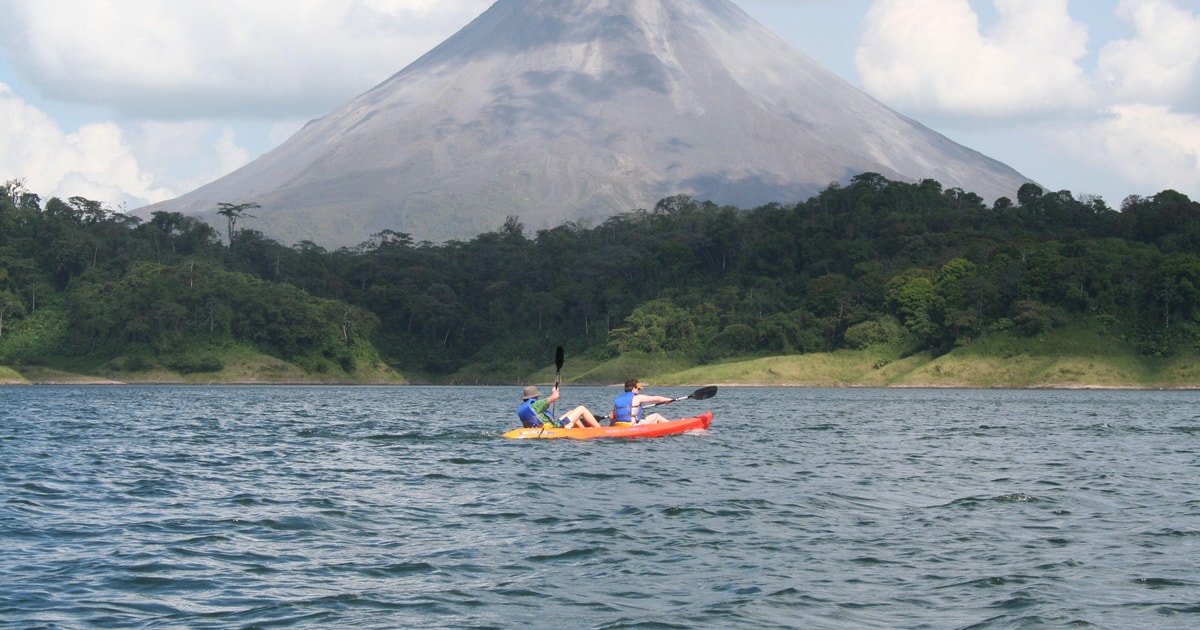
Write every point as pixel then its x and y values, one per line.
pixel 534 413
pixel 627 408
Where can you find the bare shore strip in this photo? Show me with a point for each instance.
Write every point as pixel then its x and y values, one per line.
pixel 829 370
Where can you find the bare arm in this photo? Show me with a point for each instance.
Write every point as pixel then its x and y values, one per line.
pixel 646 399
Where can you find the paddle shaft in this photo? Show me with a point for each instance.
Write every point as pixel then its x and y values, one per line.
pixel 704 393
pixel 558 363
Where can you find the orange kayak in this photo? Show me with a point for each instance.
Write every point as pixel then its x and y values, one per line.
pixel 694 423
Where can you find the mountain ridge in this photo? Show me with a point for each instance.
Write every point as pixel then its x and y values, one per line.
pixel 572 110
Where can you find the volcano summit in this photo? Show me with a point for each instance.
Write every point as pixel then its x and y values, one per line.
pixel 576 110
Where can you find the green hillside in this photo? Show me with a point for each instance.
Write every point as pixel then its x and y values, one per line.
pixel 877 283
pixel 1067 358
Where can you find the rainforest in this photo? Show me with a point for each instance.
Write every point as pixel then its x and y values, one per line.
pixel 898 269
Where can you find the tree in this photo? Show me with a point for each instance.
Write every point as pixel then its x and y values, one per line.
pixel 167 223
pixel 916 301
pixel 675 206
pixel 234 212
pixel 660 325
pixel 1177 286
pixel 89 212
pixel 10 305
pixel 1029 195
pixel 513 226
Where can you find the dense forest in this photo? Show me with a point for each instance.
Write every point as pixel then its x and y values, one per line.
pixel 870 262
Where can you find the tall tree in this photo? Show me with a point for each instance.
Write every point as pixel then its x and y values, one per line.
pixel 234 212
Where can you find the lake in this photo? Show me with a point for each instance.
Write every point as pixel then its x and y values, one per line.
pixel 398 507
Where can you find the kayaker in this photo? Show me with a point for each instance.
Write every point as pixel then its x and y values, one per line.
pixel 533 412
pixel 627 408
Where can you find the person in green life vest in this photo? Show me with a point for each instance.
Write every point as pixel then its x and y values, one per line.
pixel 627 408
pixel 534 413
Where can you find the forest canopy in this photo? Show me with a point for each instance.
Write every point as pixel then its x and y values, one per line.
pixel 872 262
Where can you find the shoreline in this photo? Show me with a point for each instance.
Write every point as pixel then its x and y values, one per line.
pixel 67 381
pixel 841 370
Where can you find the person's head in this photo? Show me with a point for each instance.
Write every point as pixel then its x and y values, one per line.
pixel 530 392
pixel 632 385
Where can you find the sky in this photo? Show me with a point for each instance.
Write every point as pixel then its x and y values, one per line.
pixel 131 102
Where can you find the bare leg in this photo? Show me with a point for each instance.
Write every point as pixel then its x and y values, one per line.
pixel 582 417
pixel 654 418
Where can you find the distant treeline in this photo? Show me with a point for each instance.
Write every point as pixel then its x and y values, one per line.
pixel 871 262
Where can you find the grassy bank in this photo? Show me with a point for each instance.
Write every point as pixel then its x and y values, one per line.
pixel 9 376
pixel 1080 356
pixel 234 365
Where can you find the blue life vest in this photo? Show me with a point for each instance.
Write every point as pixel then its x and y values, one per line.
pixel 625 411
pixel 532 419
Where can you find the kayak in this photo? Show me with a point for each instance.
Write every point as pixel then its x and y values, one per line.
pixel 694 423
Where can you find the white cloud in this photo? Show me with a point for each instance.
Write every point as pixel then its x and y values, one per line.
pixel 1161 63
pixel 93 161
pixel 931 57
pixel 1147 145
pixel 186 155
pixel 1151 134
pixel 162 73
pixel 1132 118
pixel 24 132
pixel 176 60
pixel 106 162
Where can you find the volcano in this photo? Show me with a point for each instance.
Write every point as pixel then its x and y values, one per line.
pixel 576 110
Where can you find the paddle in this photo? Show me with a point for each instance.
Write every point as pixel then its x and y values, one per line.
pixel 558 362
pixel 704 393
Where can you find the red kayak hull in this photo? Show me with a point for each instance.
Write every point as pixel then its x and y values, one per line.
pixel 695 423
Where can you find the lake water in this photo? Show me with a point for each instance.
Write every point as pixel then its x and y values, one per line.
pixel 402 507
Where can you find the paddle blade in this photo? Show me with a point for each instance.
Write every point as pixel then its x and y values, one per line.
pixel 558 362
pixel 704 393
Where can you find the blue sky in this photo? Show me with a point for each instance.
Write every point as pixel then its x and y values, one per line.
pixel 154 98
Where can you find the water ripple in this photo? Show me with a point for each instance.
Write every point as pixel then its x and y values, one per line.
pixel 380 507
